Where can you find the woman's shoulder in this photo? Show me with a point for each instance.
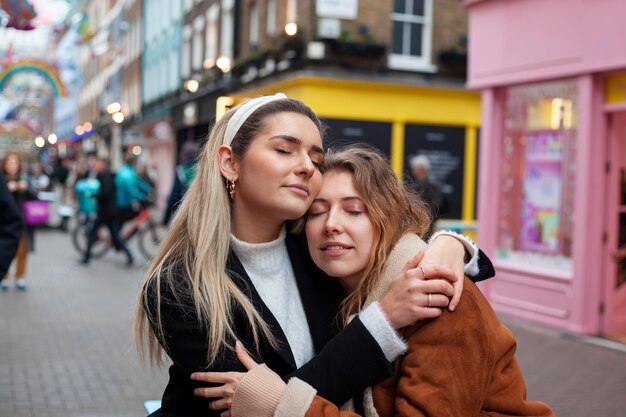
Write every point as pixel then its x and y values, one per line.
pixel 169 283
pixel 473 315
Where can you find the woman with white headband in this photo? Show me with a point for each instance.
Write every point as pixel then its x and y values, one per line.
pixel 229 270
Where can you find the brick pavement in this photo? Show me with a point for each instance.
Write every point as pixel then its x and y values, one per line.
pixel 66 347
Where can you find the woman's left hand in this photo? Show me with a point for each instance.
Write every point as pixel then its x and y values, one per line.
pixel 229 380
pixel 447 251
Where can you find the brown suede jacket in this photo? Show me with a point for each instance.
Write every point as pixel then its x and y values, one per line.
pixel 461 364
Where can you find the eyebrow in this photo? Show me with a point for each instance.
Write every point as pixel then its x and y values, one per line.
pixel 296 141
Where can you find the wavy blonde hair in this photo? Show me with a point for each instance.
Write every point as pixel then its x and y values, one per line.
pixel 197 244
pixel 392 207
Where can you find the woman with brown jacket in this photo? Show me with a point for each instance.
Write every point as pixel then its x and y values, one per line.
pixel 361 226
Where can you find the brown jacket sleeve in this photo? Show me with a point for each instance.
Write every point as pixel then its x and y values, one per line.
pixel 324 408
pixel 460 364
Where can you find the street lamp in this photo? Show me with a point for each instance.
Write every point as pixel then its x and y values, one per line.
pixel 192 85
pixel 118 117
pixel 114 107
pixel 291 28
pixel 40 141
pixel 52 138
pixel 224 64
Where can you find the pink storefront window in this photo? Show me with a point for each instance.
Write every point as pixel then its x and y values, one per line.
pixel 538 174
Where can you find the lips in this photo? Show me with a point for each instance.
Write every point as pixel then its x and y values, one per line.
pixel 301 189
pixel 335 246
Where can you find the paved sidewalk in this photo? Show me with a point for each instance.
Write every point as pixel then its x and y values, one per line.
pixel 66 344
pixel 576 376
pixel 66 347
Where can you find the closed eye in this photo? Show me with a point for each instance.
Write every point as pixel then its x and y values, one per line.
pixel 282 151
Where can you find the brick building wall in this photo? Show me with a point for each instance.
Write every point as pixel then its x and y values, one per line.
pixel 376 16
pixel 449 25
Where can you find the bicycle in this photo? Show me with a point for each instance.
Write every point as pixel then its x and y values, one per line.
pixel 149 234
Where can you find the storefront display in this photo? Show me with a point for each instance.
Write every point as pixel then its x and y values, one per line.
pixel 535 216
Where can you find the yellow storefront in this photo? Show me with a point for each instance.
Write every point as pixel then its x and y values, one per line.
pixel 401 120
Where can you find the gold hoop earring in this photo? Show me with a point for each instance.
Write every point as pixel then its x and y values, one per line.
pixel 230 186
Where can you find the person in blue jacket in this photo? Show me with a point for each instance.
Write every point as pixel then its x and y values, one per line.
pixel 131 189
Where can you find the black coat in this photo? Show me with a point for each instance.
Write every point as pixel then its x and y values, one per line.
pixel 186 341
pixel 352 351
pixel 11 227
pixel 107 204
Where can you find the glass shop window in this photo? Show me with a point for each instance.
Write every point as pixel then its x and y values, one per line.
pixel 535 224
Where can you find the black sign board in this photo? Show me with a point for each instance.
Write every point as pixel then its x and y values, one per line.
pixel 343 132
pixel 445 148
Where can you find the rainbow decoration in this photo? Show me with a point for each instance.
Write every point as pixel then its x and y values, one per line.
pixel 37 66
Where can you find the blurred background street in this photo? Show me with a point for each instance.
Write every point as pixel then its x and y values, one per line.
pixel 66 348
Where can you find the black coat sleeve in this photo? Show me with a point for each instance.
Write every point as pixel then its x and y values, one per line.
pixel 485 268
pixel 185 340
pixel 349 363
pixel 11 227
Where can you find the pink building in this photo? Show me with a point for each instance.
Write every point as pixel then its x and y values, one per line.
pixel 552 180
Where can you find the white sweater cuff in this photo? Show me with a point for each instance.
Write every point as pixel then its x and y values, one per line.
pixel 296 399
pixel 379 327
pixel 471 268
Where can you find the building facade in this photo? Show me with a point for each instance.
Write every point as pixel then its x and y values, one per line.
pixel 552 200
pixel 160 86
pixel 388 73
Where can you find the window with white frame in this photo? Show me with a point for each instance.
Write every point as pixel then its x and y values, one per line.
pixel 253 37
pixel 186 58
pixel 211 35
pixel 197 56
pixel 271 17
pixel 411 37
pixel 227 27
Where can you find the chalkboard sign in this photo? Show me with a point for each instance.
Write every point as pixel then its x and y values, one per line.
pixel 445 148
pixel 342 132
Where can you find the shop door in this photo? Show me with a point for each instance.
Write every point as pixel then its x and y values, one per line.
pixel 615 290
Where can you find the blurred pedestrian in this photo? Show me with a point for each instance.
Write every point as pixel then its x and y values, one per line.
pixel 86 189
pixel 427 188
pixel 131 190
pixel 107 211
pixel 18 185
pixel 11 227
pixel 39 179
pixel 183 175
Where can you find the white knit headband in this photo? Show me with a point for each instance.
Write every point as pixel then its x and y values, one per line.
pixel 245 111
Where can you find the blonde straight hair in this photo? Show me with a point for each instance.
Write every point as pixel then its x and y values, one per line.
pixel 196 246
pixel 392 207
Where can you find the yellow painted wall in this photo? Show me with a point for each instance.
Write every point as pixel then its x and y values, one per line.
pixel 615 88
pixel 395 103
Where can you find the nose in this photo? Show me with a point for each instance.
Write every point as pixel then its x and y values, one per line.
pixel 332 226
pixel 305 166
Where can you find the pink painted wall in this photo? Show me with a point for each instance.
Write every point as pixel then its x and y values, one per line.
pixel 524 41
pixel 513 41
